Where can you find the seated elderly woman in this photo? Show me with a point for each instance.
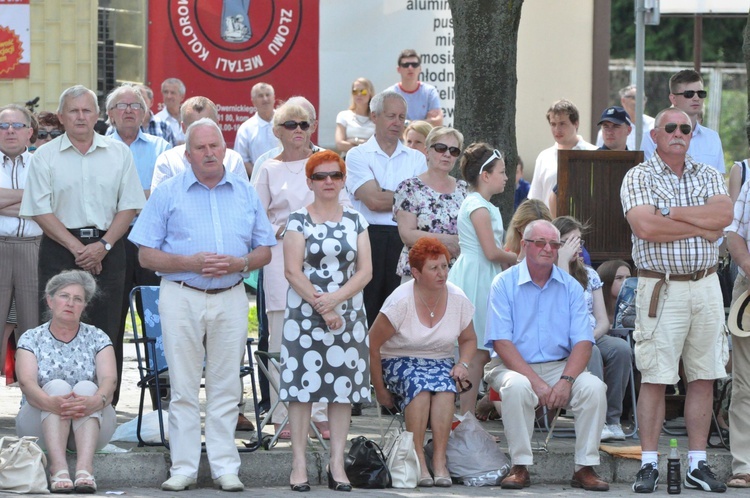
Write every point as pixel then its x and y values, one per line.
pixel 67 374
pixel 411 352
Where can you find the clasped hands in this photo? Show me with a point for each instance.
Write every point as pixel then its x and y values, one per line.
pixel 75 406
pixel 553 397
pixel 325 305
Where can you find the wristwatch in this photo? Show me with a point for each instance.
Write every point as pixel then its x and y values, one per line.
pixel 107 245
pixel 568 378
pixel 664 211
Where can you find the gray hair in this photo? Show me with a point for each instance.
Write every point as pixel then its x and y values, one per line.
pixel 305 104
pixel 149 92
pixel 15 107
pixel 74 92
pixel 531 226
pixel 657 119
pixel 377 104
pixel 288 111
pixel 261 86
pixel 198 104
pixel 202 122
pixel 442 131
pixel 114 97
pixel 72 277
pixel 174 81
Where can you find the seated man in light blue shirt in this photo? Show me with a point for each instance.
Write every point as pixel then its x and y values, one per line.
pixel 537 323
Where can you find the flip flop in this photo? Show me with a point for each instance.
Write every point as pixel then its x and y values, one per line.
pixel 56 481
pixel 485 410
pixel 82 487
pixel 739 481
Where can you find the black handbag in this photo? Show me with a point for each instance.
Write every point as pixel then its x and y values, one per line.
pixel 365 465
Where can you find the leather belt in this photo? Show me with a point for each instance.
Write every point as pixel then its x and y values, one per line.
pixel 87 232
pixel 677 277
pixel 208 291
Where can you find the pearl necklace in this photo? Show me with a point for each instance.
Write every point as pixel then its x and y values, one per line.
pixel 431 310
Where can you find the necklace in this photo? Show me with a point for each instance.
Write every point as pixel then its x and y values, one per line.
pixel 431 310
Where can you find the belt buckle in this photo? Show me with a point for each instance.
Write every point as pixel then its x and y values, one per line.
pixel 87 233
pixel 696 276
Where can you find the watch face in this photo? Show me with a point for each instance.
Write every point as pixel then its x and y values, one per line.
pixel 665 211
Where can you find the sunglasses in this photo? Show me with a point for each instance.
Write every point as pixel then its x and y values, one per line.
pixel 541 243
pixel 464 386
pixel 410 64
pixel 321 176
pixel 292 125
pixel 689 94
pixel 441 148
pixel 16 126
pixel 685 129
pixel 359 92
pixel 42 135
pixel 136 106
pixel 496 154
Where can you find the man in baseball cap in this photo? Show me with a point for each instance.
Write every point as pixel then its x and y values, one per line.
pixel 615 125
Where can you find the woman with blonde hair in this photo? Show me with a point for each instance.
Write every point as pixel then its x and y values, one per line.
pixel 353 125
pixel 529 210
pixel 415 135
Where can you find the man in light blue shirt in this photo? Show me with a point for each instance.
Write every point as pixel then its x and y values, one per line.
pixel 202 231
pixel 538 325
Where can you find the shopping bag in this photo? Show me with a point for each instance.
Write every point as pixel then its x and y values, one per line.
pixel 22 465
pixel 473 457
pixel 402 460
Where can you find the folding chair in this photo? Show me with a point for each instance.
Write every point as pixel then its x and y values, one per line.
pixel 273 364
pixel 152 364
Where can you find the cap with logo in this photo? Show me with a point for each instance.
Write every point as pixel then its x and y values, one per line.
pixel 615 114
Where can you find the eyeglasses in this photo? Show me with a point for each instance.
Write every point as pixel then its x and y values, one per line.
pixel 292 125
pixel 541 243
pixel 689 94
pixel 16 126
pixel 42 134
pixel 685 128
pixel 410 64
pixel 441 148
pixel 496 154
pixel 359 92
pixel 136 106
pixel 464 386
pixel 581 242
pixel 322 175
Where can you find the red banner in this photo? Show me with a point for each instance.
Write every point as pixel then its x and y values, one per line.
pixel 220 49
pixel 14 39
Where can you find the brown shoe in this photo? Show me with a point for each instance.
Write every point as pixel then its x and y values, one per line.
pixel 243 424
pixel 517 478
pixel 589 480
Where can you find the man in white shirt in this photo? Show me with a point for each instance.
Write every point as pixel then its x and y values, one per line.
pixel 373 171
pixel 563 121
pixel 422 100
pixel 687 94
pixel 255 136
pixel 173 93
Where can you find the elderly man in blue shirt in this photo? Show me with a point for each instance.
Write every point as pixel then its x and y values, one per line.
pixel 202 231
pixel 538 325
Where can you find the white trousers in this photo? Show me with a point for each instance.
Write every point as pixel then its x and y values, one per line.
pixel 588 402
pixel 739 410
pixel 199 327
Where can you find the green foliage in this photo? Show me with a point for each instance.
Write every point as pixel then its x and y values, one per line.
pixel 672 39
pixel 732 126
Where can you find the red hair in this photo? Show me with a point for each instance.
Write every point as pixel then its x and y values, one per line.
pixel 324 156
pixel 427 248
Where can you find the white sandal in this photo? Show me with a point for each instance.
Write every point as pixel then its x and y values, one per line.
pixel 85 488
pixel 55 481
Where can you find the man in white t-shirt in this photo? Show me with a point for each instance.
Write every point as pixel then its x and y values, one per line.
pixel 563 121
pixel 255 136
pixel 422 100
pixel 173 93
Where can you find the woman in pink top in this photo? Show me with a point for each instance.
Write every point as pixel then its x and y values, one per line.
pixel 411 352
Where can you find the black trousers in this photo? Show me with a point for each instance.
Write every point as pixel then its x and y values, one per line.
pixel 104 311
pixel 385 245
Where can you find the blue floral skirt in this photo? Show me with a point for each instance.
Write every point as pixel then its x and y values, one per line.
pixel 406 377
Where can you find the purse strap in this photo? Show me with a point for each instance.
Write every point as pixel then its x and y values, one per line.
pixel 15 445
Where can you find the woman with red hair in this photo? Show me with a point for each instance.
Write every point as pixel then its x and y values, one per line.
pixel 411 352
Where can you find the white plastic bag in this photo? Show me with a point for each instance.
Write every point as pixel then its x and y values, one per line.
pixel 402 460
pixel 473 456
pixel 149 429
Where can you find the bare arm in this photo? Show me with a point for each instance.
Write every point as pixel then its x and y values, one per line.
pixel 410 234
pixel 294 253
pixel 513 360
pixel 10 196
pixel 11 210
pixel 54 229
pixel 735 181
pixel 579 357
pixel 653 227
pixel 715 214
pixel 380 332
pixel 342 144
pixel 374 197
pixel 481 220
pixel 600 314
pixel 435 117
pixel 202 263
pixel 467 348
pixel 738 250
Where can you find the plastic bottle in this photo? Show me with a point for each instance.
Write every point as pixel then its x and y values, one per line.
pixel 674 474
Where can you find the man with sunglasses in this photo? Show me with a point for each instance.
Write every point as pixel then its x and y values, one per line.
pixel 543 350
pixel 686 93
pixel 422 99
pixel 677 209
pixel 255 136
pixel 19 237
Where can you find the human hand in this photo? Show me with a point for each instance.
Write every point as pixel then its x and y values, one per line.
pixel 384 397
pixel 559 395
pixel 324 302
pixel 333 320
pixel 90 256
pixel 570 249
pixel 217 265
pixel 542 391
pixel 76 406
pixel 459 372
pixel 451 244
pixel 713 235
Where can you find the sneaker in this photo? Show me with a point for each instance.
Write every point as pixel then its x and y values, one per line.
pixel 607 434
pixel 616 430
pixel 646 479
pixel 703 478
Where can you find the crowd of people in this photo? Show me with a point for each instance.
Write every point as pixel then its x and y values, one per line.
pixel 371 268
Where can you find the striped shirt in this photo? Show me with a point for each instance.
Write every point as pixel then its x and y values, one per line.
pixel 653 183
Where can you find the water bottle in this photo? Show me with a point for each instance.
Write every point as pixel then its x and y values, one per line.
pixel 674 474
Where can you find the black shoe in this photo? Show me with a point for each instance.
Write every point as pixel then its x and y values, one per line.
pixel 646 479
pixel 303 487
pixel 703 478
pixel 356 409
pixel 337 486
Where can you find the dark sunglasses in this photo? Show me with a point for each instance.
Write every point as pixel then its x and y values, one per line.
pixel 41 134
pixel 292 125
pixel 321 176
pixel 359 92
pixel 410 64
pixel 685 129
pixel 464 386
pixel 441 148
pixel 16 126
pixel 541 243
pixel 689 94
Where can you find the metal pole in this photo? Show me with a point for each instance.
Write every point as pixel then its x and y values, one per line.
pixel 640 50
